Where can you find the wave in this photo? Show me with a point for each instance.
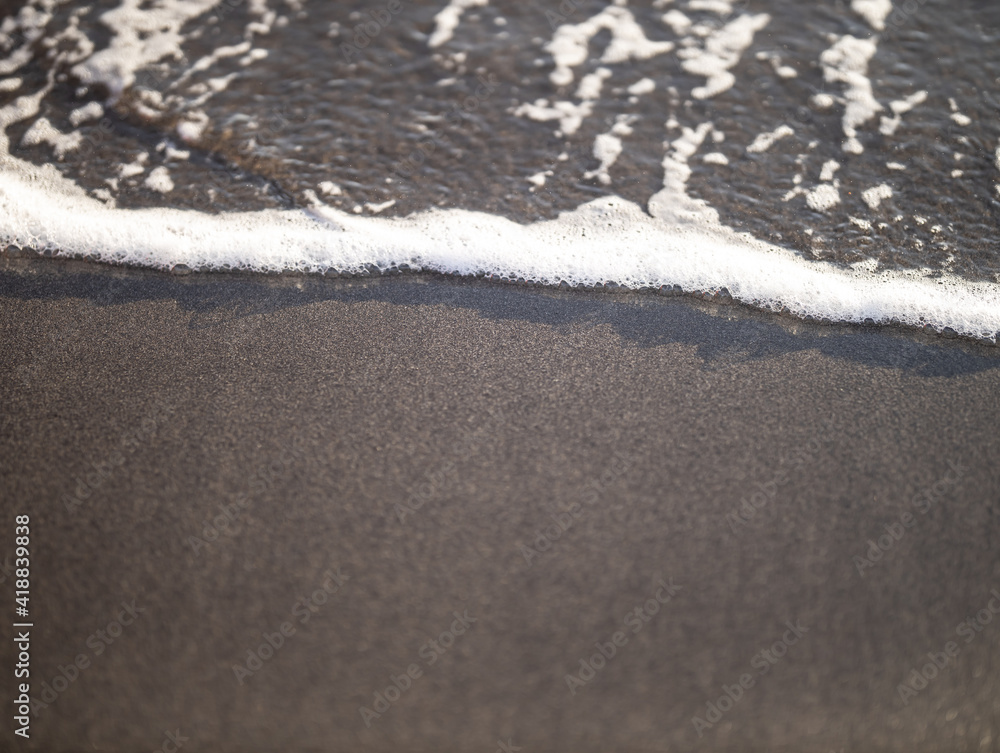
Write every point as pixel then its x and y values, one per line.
pixel 674 240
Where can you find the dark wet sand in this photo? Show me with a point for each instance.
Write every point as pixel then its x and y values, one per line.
pixel 312 407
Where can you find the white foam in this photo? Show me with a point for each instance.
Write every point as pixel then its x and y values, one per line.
pixel 170 153
pixel 329 188
pixel 823 197
pixel 623 125
pixel 677 240
pixel 722 7
pixel 569 115
pixel 192 127
pixel 138 167
pixel 43 132
pixel 847 62
pixel 446 21
pixel 823 101
pixel 159 180
pixel 784 71
pixel 765 141
pixel 569 45
pixel 648 251
pixel 875 196
pixel 607 148
pixel 899 107
pixel 31 23
pixel 591 84
pixel 379 208
pixel 538 179
pixel 677 21
pixel 144 33
pixel 207 61
pixel 90 111
pixel 874 11
pixel 723 50
pixel 829 168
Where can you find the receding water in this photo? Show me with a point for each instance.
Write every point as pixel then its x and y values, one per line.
pixel 883 154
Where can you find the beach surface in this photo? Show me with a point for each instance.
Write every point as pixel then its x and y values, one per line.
pixel 468 517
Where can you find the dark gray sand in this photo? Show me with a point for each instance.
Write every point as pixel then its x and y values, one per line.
pixel 137 407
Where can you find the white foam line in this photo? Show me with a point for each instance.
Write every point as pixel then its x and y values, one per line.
pixel 446 21
pixel 573 248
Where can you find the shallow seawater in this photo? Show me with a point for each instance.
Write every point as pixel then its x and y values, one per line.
pixel 861 136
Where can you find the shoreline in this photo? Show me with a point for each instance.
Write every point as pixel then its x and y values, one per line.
pixel 28 261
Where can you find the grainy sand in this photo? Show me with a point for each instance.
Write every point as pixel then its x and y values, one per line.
pixel 311 408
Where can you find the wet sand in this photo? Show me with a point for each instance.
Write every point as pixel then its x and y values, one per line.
pixel 351 469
